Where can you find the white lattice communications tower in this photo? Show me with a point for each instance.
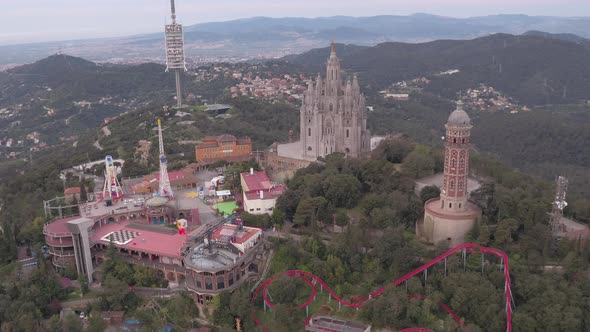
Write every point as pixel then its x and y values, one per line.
pixel 559 203
pixel 112 187
pixel 175 51
pixel 164 189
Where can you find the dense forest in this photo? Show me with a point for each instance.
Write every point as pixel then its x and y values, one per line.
pixel 373 200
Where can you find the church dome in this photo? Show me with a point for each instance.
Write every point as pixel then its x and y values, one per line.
pixel 459 117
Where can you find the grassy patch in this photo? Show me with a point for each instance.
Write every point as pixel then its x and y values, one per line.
pixel 226 207
pixel 198 108
pixel 75 296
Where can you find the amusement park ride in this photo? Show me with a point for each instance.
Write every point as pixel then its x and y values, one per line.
pixel 164 189
pixel 112 187
pixel 312 280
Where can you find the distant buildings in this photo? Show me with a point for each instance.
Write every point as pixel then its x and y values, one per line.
pixel 259 193
pixel 223 147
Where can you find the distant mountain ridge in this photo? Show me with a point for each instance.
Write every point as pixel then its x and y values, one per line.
pixel 264 36
pixel 534 69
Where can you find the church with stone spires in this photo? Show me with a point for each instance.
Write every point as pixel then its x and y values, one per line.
pixel 333 118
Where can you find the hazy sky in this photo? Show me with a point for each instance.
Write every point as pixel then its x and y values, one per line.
pixel 44 20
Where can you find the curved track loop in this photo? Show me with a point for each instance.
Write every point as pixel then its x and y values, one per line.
pixel 465 247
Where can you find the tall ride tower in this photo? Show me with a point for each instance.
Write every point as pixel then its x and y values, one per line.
pixel 164 189
pixel 175 51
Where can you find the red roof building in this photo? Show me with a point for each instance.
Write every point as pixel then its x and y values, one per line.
pixel 259 192
pixel 72 191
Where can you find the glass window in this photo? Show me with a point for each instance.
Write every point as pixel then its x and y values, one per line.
pixel 208 283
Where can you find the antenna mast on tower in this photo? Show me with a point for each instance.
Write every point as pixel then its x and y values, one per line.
pixel 175 51
pixel 164 188
pixel 559 204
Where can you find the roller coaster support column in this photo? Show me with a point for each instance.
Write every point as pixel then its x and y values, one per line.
pixel 406 282
pixel 464 254
pixel 425 276
pixel 482 263
pixel 329 297
pixel 502 264
pixel 306 311
pixel 445 266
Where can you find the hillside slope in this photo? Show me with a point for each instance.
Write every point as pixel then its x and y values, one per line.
pixel 262 37
pixel 533 69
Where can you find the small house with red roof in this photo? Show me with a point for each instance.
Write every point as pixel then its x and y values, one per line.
pixel 259 192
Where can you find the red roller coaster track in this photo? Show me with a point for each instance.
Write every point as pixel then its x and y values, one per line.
pixel 464 248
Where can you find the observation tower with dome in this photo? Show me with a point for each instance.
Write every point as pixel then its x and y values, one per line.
pixel 450 216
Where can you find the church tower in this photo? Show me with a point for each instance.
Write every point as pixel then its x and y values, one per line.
pixel 454 187
pixel 333 117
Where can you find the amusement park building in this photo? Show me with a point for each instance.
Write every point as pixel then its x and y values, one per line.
pixel 181 179
pixel 223 147
pixel 259 192
pixel 207 260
